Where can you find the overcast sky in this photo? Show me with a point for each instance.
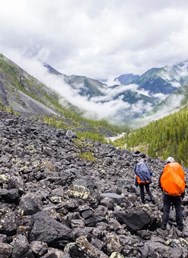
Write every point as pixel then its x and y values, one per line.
pixel 96 38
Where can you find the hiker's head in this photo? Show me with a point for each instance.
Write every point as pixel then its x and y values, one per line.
pixel 141 160
pixel 169 160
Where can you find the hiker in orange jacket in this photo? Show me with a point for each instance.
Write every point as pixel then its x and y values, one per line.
pixel 172 183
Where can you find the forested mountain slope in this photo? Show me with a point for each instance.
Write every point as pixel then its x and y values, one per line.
pixel 162 138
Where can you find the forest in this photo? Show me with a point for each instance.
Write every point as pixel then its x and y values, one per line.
pixel 162 138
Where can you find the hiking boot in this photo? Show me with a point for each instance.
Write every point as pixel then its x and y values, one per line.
pixel 163 226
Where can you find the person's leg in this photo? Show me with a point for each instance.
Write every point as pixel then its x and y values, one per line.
pixel 149 193
pixel 166 210
pixel 142 193
pixel 178 208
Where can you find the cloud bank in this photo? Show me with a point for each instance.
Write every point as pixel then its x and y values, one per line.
pixel 96 38
pixel 92 108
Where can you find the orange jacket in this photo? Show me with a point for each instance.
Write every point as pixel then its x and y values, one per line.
pixel 172 179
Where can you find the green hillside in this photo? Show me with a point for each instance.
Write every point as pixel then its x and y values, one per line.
pixel 21 93
pixel 162 138
pixel 96 130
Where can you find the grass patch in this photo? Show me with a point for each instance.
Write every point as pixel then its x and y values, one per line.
pixel 87 156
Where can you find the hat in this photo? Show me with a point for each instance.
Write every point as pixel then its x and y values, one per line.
pixel 169 160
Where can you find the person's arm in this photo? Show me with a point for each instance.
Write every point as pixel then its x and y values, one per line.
pixel 149 169
pixel 135 180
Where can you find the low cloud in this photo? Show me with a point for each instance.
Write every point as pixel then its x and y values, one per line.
pixel 102 107
pixel 171 105
pixel 92 108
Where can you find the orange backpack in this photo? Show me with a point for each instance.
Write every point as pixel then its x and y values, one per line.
pixel 172 179
pixel 139 181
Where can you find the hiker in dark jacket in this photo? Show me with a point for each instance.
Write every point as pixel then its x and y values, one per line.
pixel 172 183
pixel 143 179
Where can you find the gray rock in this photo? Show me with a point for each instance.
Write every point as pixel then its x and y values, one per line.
pixel 54 253
pixel 20 247
pixel 39 248
pixel 5 250
pixel 9 223
pixel 82 248
pixel 135 220
pixel 10 196
pixel 50 231
pixel 30 204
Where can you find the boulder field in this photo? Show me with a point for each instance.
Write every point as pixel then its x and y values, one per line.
pixel 56 202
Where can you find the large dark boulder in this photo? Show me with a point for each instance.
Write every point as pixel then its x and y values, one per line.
pixel 50 231
pixel 134 219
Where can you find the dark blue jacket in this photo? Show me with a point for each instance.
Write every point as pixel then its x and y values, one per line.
pixel 143 172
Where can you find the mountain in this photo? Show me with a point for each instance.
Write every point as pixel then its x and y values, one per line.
pixel 129 99
pixel 22 92
pixel 166 87
pixel 159 80
pixel 138 99
pixel 127 78
pixel 85 86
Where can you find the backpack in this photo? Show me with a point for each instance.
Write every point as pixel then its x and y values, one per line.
pixel 143 174
pixel 172 179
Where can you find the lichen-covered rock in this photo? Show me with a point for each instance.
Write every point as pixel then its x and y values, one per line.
pixel 116 255
pixel 113 243
pixel 82 248
pixel 79 191
pixel 39 248
pixel 53 253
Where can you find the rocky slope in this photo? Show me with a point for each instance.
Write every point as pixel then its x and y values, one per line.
pixel 56 204
pixel 23 93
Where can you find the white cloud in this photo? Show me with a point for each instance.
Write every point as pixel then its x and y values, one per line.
pixel 92 108
pixel 119 89
pixel 96 38
pixel 160 96
pixel 170 105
